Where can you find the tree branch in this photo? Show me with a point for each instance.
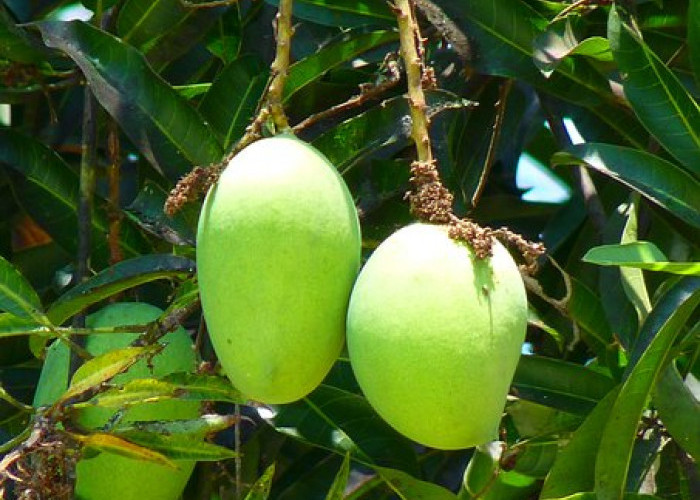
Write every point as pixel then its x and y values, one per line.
pixel 280 66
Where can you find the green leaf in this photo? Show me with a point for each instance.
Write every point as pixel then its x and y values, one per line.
pixel 337 490
pixel 345 13
pixel 177 446
pixel 121 276
pixel 164 29
pixel 656 179
pixel 693 41
pixel 55 375
pixel 380 127
pixel 558 384
pixel 261 488
pixel 573 469
pixel 183 386
pixel 230 103
pixel 646 362
pixel 47 189
pixel 350 45
pixel 672 295
pixel 17 296
pixel 640 255
pixel 105 367
pixel 593 496
pixel 344 422
pixel 503 32
pixel 586 309
pixel 679 410
pixel 169 133
pixel 197 428
pixel 107 442
pixel 534 457
pixel 659 100
pixel 147 211
pixel 16 44
pixel 633 279
pixel 481 470
pixel 408 487
pixel 558 42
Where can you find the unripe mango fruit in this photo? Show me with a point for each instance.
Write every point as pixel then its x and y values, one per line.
pixel 434 335
pixel 108 476
pixel 278 250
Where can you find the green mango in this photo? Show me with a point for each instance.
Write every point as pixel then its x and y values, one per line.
pixel 435 334
pixel 107 476
pixel 278 250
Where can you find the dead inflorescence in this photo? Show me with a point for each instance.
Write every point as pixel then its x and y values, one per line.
pixel 432 202
pixel 191 187
pixel 42 467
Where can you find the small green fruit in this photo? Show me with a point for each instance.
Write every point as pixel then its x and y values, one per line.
pixel 434 336
pixel 278 250
pixel 108 476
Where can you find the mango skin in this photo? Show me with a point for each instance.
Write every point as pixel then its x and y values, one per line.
pixel 278 250
pixel 434 336
pixel 108 476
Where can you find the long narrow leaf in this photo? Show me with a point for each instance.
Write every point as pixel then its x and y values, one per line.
pixel 409 488
pixel 167 131
pixel 694 37
pixel 502 35
pixel 15 43
pixel 617 442
pixel 105 367
pixel 17 296
pixel 566 386
pixel 261 488
pixel 107 442
pixel 656 179
pixel 351 45
pixel 574 468
pixel 47 189
pixel 640 255
pixel 345 13
pixel 122 276
pixel 679 410
pixel 343 422
pixel 657 96
pixel 232 99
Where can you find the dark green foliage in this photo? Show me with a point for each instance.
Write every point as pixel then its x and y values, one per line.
pixel 608 403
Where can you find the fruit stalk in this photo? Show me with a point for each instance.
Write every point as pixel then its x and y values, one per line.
pixel 411 53
pixel 430 200
pixel 200 179
pixel 280 65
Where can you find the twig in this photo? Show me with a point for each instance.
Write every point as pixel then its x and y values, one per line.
pixel 280 66
pixel 237 459
pixel 88 160
pixel 368 91
pixel 590 4
pixel 8 398
pixel 113 212
pixel 430 200
pixel 198 181
pixel 207 5
pixel 87 185
pixel 409 36
pixel 159 328
pixel 503 94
